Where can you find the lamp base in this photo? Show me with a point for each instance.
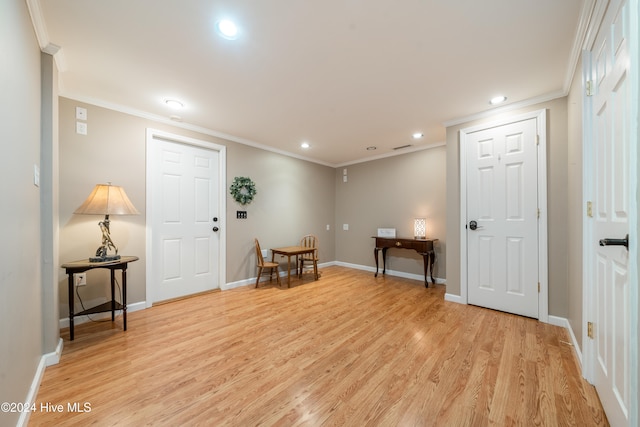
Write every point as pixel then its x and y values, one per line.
pixel 104 258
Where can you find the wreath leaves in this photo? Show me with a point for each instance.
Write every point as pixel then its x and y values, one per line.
pixel 243 189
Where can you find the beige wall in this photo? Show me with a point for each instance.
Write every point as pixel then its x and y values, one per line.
pixel 295 197
pixel 20 253
pixel 557 202
pixel 390 193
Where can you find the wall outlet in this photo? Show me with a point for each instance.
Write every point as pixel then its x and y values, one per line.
pixel 81 279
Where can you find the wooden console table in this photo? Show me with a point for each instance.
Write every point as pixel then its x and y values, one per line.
pixel 422 246
pixel 74 267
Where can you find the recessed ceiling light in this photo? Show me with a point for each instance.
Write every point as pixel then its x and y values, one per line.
pixel 304 145
pixel 176 105
pixel 417 135
pixel 227 29
pixel 497 100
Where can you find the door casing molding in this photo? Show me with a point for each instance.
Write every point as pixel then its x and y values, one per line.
pixel 541 129
pixel 222 202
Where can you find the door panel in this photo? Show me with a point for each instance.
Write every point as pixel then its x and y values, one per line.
pixel 610 131
pixel 502 253
pixel 183 202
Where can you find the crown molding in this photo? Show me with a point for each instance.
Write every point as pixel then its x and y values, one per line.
pixel 584 26
pixel 38 23
pixel 511 107
pixel 392 154
pixel 195 128
pixel 42 35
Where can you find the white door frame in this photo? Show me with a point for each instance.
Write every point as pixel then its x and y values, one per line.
pixel 222 203
pixel 588 350
pixel 541 124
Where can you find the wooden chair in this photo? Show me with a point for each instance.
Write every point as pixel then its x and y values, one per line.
pixel 309 241
pixel 262 264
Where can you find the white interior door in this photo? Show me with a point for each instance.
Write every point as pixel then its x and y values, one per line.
pixel 611 195
pixel 184 217
pixel 502 217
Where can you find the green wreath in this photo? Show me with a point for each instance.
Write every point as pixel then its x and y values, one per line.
pixel 243 190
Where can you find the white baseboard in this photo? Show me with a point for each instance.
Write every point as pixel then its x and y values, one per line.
pixel 395 273
pixel 45 360
pixel 54 357
pixel 238 284
pixel 454 298
pixel 564 323
pixel 78 320
pixel 252 281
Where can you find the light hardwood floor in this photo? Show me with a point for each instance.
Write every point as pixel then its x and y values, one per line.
pixel 347 350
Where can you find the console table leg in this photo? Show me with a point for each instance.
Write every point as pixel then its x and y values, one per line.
pixel 124 297
pixel 71 304
pixel 113 295
pixel 375 255
pixel 432 259
pixel 384 260
pixel 425 260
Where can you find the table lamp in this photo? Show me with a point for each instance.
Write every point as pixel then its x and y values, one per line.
pixel 106 199
pixel 420 228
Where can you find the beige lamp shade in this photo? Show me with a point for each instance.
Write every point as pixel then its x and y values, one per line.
pixel 107 199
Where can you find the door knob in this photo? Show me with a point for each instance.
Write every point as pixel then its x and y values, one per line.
pixel 616 242
pixel 473 225
pixel 215 229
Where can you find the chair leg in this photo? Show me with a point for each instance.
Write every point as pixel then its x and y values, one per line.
pixel 258 278
pixel 315 268
pixel 277 276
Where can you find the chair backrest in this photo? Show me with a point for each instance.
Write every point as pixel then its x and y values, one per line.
pixel 259 258
pixel 310 241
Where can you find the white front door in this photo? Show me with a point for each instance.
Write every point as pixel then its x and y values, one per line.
pixel 609 306
pixel 502 213
pixel 184 217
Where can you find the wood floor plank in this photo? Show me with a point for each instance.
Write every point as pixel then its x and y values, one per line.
pixel 348 349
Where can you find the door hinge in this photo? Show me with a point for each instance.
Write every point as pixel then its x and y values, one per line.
pixel 589 87
pixel 538 287
pixel 590 209
pixel 537 139
pixel 590 329
pixel 538 213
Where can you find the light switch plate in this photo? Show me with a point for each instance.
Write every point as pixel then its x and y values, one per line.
pixel 81 128
pixel 81 113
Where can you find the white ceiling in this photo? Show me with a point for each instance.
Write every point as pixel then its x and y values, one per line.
pixel 342 75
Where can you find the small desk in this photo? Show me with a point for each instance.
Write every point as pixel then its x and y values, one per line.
pixel 74 267
pixel 423 246
pixel 290 251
